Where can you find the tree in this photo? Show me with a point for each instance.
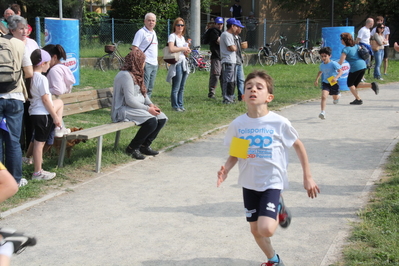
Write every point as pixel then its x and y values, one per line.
pixel 136 9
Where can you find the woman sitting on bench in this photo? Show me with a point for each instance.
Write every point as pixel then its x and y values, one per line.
pixel 130 103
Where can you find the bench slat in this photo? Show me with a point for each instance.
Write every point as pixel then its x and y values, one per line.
pixel 97 131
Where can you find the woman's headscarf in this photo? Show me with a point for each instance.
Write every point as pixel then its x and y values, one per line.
pixel 134 62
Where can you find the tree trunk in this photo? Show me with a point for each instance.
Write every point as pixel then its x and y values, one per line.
pixel 184 8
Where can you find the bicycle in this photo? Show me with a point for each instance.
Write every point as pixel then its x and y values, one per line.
pixel 302 53
pixel 197 60
pixel 113 60
pixel 315 53
pixel 267 57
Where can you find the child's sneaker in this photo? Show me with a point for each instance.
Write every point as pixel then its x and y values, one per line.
pixel 284 215
pixel 322 115
pixel 60 132
pixel 271 263
pixel 19 239
pixel 43 175
pixel 23 182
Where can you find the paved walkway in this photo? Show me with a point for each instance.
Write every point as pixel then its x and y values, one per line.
pixel 167 210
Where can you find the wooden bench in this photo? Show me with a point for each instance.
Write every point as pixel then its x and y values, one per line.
pixel 86 101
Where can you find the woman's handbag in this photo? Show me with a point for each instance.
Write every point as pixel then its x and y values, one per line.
pixel 374 45
pixel 170 58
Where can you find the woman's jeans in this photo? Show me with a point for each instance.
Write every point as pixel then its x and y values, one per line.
pixel 147 133
pixel 378 56
pixel 178 83
pixel 12 110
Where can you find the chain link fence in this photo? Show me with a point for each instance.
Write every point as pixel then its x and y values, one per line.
pixel 257 32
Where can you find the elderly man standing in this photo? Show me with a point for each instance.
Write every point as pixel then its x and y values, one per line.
pixel 146 40
pixel 363 36
pixel 8 12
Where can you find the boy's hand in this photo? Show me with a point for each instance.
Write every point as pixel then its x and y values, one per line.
pixel 316 83
pixel 222 175
pixel 311 187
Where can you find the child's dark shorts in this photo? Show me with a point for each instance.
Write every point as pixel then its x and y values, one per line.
pixel 43 125
pixel 258 203
pixel 334 89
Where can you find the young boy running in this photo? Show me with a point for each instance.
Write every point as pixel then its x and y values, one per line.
pixel 263 175
pixel 331 71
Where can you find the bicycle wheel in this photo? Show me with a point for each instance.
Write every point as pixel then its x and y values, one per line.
pixel 191 65
pixel 289 57
pixel 110 62
pixel 307 57
pixel 316 55
pixel 245 58
pixel 262 57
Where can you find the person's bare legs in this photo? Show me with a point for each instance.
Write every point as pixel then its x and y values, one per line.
pixel 58 107
pixel 385 65
pixel 324 95
pixel 262 230
pixel 354 91
pixel 38 155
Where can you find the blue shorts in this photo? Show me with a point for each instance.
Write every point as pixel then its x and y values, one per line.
pixel 333 90
pixel 259 203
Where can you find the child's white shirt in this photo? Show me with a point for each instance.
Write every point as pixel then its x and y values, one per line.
pixel 39 87
pixel 270 137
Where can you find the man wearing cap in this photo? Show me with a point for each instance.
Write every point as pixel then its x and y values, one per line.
pixel 228 49
pixel 146 40
pixel 216 65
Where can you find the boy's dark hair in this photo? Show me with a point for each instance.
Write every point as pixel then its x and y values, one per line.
pixel 36 57
pixel 325 50
pixel 263 75
pixel 57 49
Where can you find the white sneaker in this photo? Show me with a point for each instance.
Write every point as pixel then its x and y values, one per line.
pixel 43 175
pixel 322 115
pixel 60 132
pixel 337 100
pixel 22 182
pixel 27 160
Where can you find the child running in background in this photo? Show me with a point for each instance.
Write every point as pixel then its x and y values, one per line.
pixel 263 174
pixel 331 72
pixel 44 112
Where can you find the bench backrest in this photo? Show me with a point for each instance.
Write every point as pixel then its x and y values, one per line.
pixel 85 101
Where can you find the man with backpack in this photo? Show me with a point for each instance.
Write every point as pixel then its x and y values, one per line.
pixel 212 37
pixel 12 97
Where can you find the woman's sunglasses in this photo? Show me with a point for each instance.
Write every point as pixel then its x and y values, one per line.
pixel 179 25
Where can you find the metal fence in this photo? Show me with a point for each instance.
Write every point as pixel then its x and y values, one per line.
pixel 110 30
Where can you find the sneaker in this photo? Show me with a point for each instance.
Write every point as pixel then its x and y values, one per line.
pixel 272 263
pixel 284 215
pixel 19 239
pixel 322 115
pixel 380 78
pixel 43 175
pixel 375 88
pixel 337 100
pixel 177 109
pixel 357 102
pixel 23 182
pixel 60 132
pixel 363 80
pixel 27 160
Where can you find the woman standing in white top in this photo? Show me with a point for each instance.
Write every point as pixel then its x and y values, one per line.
pixel 177 74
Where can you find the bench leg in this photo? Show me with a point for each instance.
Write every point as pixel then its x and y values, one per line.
pixel 117 137
pixel 62 152
pixel 99 153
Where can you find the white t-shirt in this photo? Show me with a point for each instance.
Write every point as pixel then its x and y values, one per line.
pixel 385 33
pixel 142 39
pixel 270 137
pixel 364 35
pixel 39 87
pixel 227 39
pixel 180 42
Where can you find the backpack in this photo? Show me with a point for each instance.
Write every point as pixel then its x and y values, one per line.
pixel 363 53
pixel 205 37
pixel 9 75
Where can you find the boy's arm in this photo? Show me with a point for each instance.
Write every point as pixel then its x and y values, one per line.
pixel 335 79
pixel 225 169
pixel 50 108
pixel 317 78
pixel 308 182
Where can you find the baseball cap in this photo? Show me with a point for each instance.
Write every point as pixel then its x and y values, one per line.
pixel 218 20
pixel 233 21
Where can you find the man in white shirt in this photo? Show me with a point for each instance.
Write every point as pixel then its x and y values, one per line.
pixel 363 36
pixel 146 40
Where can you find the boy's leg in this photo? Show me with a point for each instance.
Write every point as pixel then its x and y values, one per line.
pixel 263 242
pixel 37 155
pixel 324 95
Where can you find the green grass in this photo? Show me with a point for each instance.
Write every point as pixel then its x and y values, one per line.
pixel 374 241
